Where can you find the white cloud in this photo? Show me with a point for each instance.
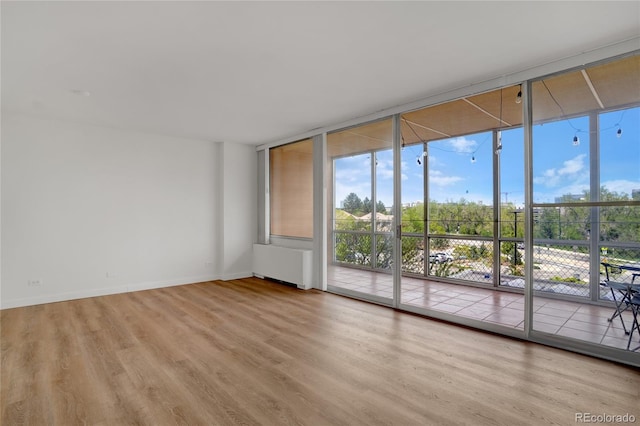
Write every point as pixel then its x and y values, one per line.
pixel 572 170
pixel 574 189
pixel 573 166
pixel 385 173
pixel 352 174
pixel 621 186
pixel 463 145
pixel 436 177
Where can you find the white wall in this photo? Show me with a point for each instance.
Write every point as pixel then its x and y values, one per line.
pixel 239 229
pixel 88 210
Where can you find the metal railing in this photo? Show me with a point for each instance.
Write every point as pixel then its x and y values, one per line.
pixel 560 267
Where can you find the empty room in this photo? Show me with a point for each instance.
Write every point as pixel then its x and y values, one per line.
pixel 319 213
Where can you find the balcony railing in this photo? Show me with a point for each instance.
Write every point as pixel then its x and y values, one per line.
pixel 560 267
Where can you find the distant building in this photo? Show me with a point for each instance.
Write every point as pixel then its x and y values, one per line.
pixel 411 204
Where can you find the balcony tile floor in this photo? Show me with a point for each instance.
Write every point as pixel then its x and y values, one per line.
pixel 565 318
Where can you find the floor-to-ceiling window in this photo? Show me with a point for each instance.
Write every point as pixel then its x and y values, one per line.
pixel 474 235
pixel 451 158
pixel 360 161
pixel 510 196
pixel 586 170
pixel 463 206
pixel 619 219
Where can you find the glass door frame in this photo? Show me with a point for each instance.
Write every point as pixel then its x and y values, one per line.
pixel 496 238
pixel 373 232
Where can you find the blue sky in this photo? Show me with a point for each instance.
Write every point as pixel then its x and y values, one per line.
pixel 559 165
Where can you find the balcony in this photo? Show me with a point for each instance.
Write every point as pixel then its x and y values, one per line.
pixel 459 280
pixel 583 321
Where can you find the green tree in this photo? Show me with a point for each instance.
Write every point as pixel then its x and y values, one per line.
pixel 548 224
pixel 461 217
pixel 439 243
pixel 353 248
pixel 352 204
pixel 383 251
pixel 510 249
pixel 618 223
pixel 413 219
pixel 367 205
pixel 412 246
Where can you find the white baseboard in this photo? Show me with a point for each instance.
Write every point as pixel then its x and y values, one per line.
pixel 169 283
pixel 82 294
pixel 61 297
pixel 236 276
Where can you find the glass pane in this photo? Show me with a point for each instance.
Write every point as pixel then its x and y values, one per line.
pixel 620 256
pixel 570 123
pixel 562 223
pixel 383 216
pixel 561 269
pixel 512 208
pixel 619 245
pixel 620 224
pixel 564 176
pixel 353 248
pixel 512 184
pixel 384 182
pixel 458 138
pixel 353 192
pixel 620 155
pixel 384 251
pixel 512 264
pixel 461 185
pixel 361 228
pixel 413 254
pixel 413 221
pixel 470 260
pixel 352 199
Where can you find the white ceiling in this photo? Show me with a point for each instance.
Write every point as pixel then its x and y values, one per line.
pixel 255 72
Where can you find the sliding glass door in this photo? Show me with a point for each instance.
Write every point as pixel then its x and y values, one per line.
pixel 454 250
pixel 467 212
pixel 361 171
pixel 586 204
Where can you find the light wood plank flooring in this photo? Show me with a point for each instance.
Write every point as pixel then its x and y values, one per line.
pixel 255 352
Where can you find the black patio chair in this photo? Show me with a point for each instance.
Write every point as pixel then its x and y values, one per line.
pixel 634 303
pixel 621 292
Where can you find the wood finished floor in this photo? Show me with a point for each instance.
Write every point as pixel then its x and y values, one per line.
pixel 255 352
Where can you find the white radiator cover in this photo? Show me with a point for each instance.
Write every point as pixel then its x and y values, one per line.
pixel 283 263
